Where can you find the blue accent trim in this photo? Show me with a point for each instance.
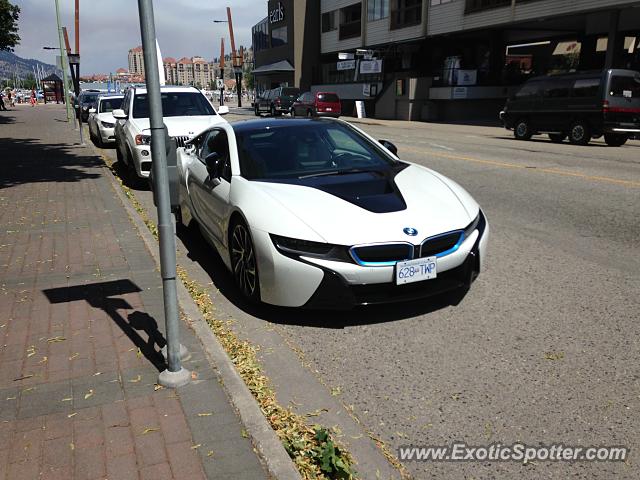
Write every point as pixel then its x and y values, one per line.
pixel 446 252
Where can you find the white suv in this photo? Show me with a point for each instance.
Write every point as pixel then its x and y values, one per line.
pixel 186 112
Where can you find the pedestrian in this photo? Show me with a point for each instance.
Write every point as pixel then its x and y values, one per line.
pixel 34 99
pixel 2 107
pixel 11 99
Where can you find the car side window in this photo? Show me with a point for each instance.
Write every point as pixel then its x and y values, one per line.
pixel 528 90
pixel 125 102
pixel 216 141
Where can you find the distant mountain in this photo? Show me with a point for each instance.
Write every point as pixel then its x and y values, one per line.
pixel 10 64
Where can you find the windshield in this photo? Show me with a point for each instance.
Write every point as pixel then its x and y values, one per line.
pixel 89 98
pixel 290 93
pixel 110 104
pixel 309 148
pixel 174 104
pixel 625 86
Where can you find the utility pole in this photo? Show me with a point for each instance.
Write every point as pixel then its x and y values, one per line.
pixel 74 67
pixel 175 375
pixel 222 71
pixel 63 60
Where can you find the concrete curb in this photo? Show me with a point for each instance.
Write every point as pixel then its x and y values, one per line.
pixel 264 438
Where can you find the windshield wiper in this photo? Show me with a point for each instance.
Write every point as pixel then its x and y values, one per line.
pixel 335 172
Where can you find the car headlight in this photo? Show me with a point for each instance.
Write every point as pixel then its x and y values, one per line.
pixel 143 139
pixel 108 125
pixel 294 247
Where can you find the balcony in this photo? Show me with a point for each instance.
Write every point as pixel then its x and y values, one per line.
pixel 349 30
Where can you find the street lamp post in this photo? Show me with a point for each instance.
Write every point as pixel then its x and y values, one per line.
pixel 63 60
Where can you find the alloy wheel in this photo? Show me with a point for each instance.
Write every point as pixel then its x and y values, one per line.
pixel 243 261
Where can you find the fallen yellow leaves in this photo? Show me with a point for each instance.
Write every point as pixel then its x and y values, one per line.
pixel 55 339
pixel 89 394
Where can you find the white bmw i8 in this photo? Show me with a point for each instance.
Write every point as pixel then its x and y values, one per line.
pixel 316 213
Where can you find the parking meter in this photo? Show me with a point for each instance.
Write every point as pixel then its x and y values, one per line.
pixel 172 171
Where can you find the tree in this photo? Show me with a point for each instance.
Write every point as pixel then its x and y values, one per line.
pixel 9 15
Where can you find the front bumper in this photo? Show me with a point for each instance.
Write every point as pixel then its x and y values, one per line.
pixel 142 160
pixel 322 284
pixel 107 135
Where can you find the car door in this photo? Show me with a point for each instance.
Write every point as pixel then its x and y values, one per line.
pixel 211 195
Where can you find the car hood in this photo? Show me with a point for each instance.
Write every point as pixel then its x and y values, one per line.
pixel 423 200
pixel 183 126
pixel 106 117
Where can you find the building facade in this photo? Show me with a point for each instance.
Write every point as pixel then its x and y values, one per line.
pixel 285 45
pixel 460 59
pixel 194 71
pixel 136 61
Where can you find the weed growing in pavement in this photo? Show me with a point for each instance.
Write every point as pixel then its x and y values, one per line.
pixel 313 449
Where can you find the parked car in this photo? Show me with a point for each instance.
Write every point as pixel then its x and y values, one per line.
pixel 101 122
pixel 580 106
pixel 319 104
pixel 316 213
pixel 186 111
pixel 276 101
pixel 86 100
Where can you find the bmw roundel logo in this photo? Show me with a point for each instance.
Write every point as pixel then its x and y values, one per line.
pixel 412 232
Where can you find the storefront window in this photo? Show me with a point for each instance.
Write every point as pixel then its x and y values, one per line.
pixel 405 13
pixel 378 9
pixel 278 36
pixel 329 21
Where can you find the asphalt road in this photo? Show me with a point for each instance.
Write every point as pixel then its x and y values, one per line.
pixel 545 347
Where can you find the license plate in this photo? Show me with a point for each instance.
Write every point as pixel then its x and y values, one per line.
pixel 416 270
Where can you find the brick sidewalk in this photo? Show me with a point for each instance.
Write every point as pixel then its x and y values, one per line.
pixel 79 339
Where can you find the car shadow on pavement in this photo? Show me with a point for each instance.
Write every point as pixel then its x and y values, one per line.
pixel 208 258
pixel 103 296
pixel 29 161
pixel 129 178
pixel 547 141
pixel 7 119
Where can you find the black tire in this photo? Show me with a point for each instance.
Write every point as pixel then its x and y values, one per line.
pixel 257 111
pixel 309 113
pixel 293 112
pixel 119 158
pixel 244 266
pixel 557 137
pixel 522 129
pixel 273 111
pixel 580 133
pixel 615 139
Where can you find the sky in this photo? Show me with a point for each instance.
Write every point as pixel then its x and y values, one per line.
pixel 109 28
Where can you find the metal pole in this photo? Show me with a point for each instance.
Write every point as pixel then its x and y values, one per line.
pixel 63 59
pixel 175 375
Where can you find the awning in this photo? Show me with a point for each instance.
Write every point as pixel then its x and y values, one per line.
pixel 281 66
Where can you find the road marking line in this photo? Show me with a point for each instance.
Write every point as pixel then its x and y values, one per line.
pixel 442 147
pixel 554 171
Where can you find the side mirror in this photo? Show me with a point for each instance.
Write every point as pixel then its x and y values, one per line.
pixel 189 148
pixel 389 146
pixel 223 110
pixel 119 114
pixel 215 164
pixel 92 110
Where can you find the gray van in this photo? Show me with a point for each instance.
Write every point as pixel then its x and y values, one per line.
pixel 580 106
